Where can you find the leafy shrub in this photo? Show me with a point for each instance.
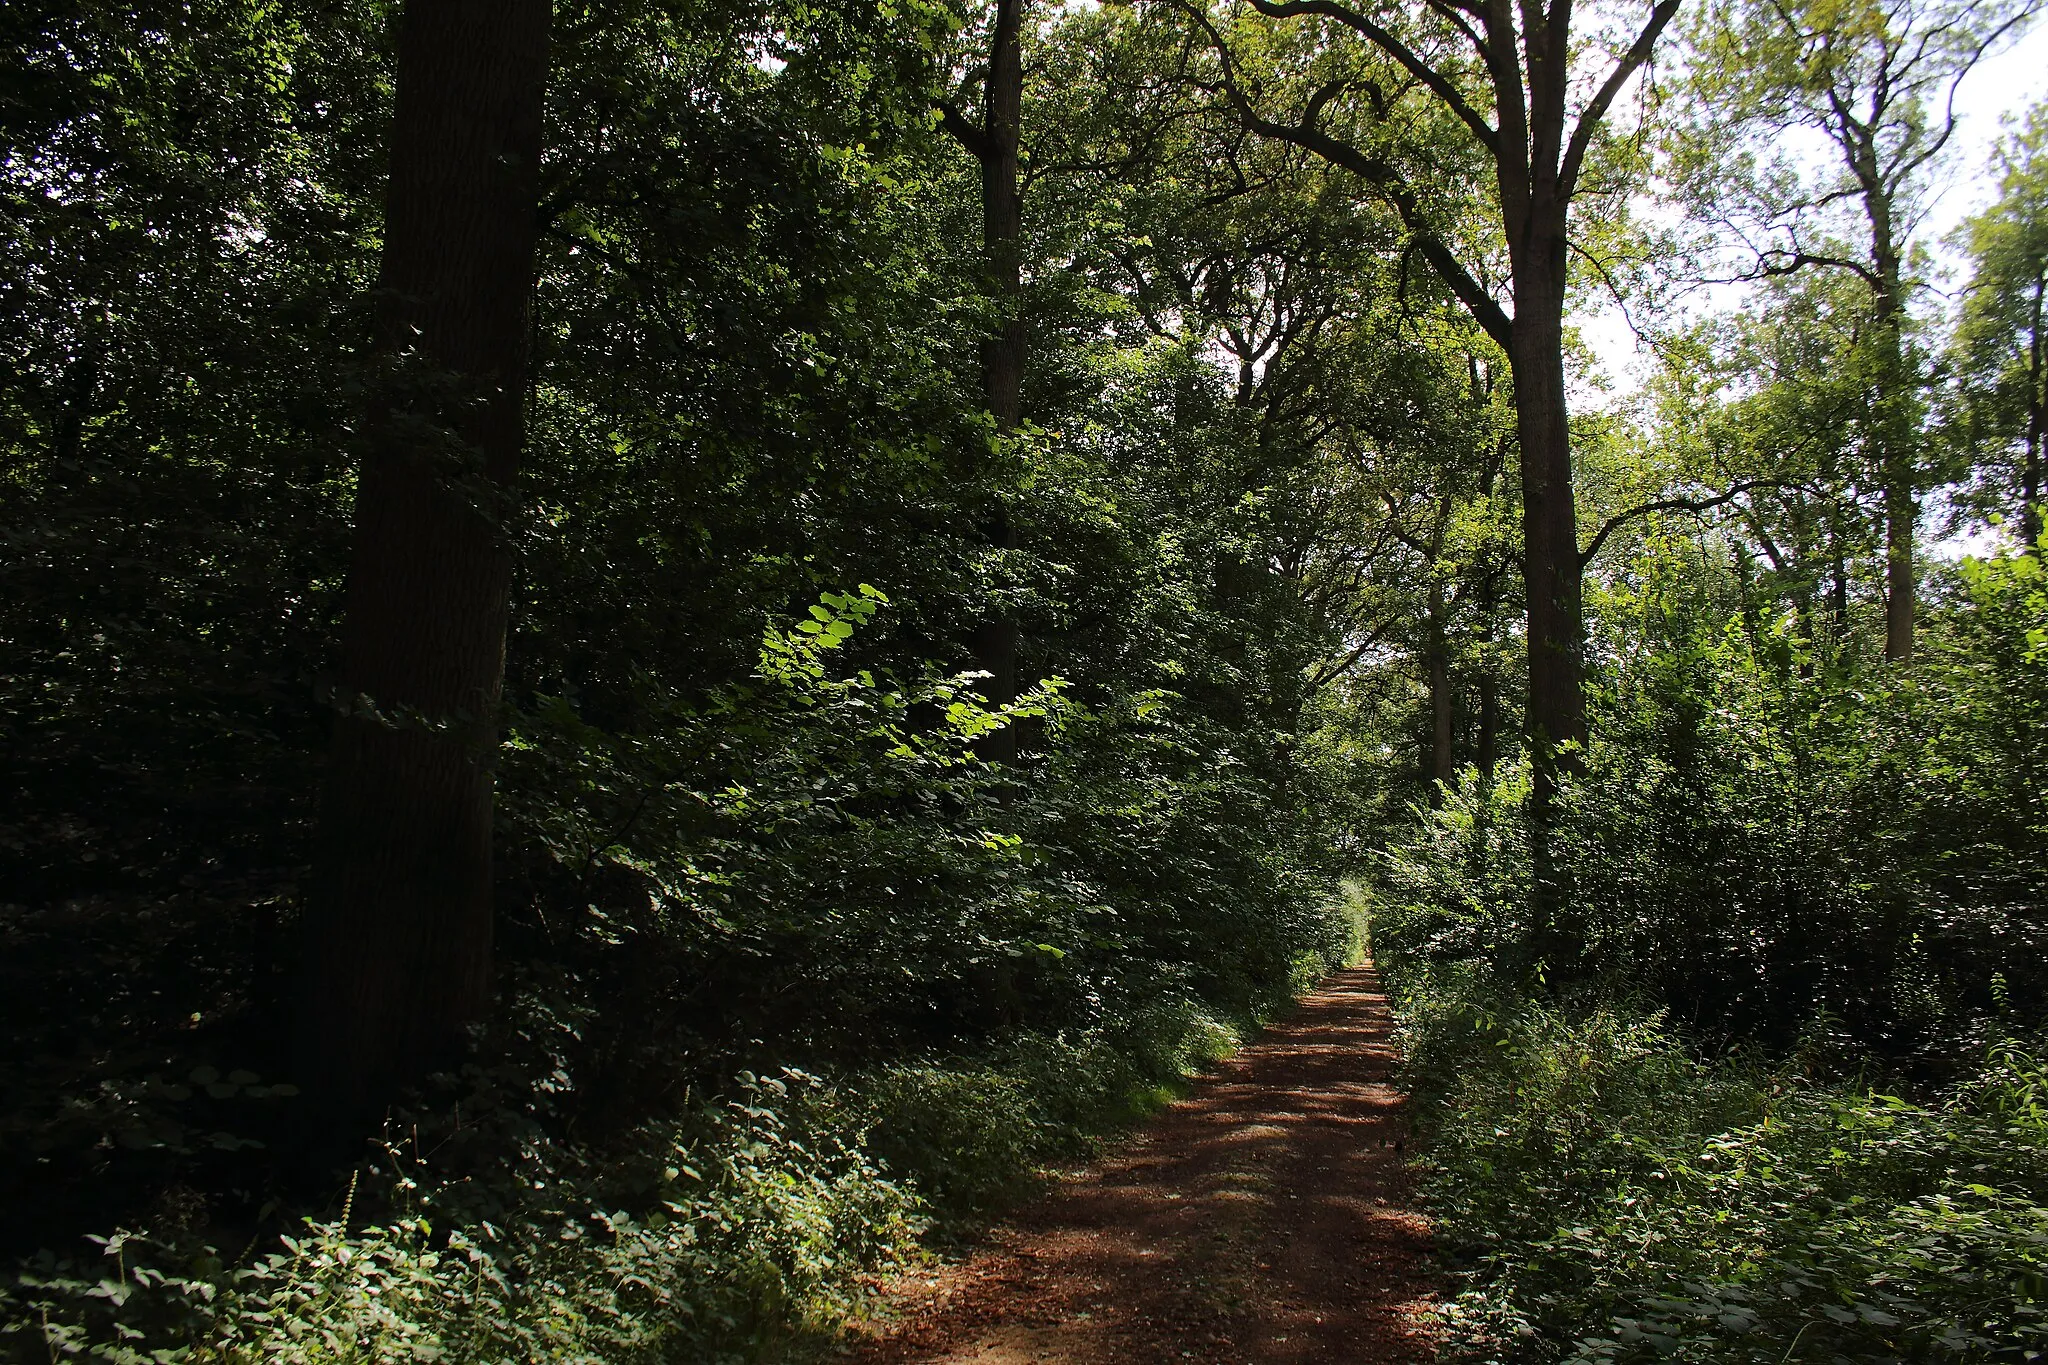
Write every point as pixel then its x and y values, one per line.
pixel 1606 1196
pixel 974 1135
pixel 708 1242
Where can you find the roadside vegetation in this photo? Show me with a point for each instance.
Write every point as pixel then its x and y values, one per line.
pixel 653 651
pixel 1789 1100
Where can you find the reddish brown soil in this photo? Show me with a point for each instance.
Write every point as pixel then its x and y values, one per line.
pixel 1264 1220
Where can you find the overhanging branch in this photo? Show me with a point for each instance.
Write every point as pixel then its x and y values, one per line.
pixel 1439 84
pixel 1672 505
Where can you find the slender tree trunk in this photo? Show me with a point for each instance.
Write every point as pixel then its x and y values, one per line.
pixel 1838 581
pixel 1803 586
pixel 1893 412
pixel 81 378
pixel 399 916
pixel 2037 426
pixel 1901 501
pixel 1745 586
pixel 1487 741
pixel 995 643
pixel 1487 753
pixel 1486 746
pixel 1901 514
pixel 1442 760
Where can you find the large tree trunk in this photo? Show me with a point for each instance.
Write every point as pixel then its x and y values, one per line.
pixel 1002 214
pixel 399 916
pixel 1551 564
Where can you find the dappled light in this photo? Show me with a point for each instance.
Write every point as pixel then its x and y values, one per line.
pixel 1265 1217
pixel 746 682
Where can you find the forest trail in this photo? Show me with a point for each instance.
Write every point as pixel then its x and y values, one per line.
pixel 1264 1220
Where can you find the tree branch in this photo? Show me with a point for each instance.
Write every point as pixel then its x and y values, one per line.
pixel 1328 674
pixel 964 132
pixel 1589 118
pixel 1776 261
pixel 1438 83
pixel 1672 505
pixel 1485 310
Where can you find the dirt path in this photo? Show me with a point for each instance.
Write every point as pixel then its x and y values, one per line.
pixel 1262 1221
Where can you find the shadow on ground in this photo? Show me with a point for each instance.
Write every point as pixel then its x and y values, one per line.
pixel 1264 1220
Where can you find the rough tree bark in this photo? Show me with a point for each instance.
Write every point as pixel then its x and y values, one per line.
pixel 398 925
pixel 1552 569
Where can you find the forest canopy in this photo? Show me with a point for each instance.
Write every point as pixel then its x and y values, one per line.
pixel 651 650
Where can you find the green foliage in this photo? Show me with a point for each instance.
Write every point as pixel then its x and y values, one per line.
pixel 1783 878
pixel 788 972
pixel 746 822
pixel 1605 1196
pixel 978 1133
pixel 711 1241
pixel 1999 401
pixel 1766 848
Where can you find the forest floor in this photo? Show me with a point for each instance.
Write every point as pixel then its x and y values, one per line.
pixel 1265 1219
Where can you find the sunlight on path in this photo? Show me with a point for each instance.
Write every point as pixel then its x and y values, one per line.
pixel 1262 1221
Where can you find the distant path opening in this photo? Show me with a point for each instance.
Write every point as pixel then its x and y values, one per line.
pixel 1264 1220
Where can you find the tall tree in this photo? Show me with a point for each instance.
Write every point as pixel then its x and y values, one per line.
pixel 399 920
pixel 2001 350
pixel 996 145
pixel 1506 76
pixel 1776 398
pixel 1876 81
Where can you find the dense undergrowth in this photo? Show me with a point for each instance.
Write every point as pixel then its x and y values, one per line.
pixel 1788 1099
pixel 790 974
pixel 1606 1195
pixel 511 1213
pixel 754 1227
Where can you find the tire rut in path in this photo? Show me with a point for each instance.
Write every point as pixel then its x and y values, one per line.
pixel 1264 1220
